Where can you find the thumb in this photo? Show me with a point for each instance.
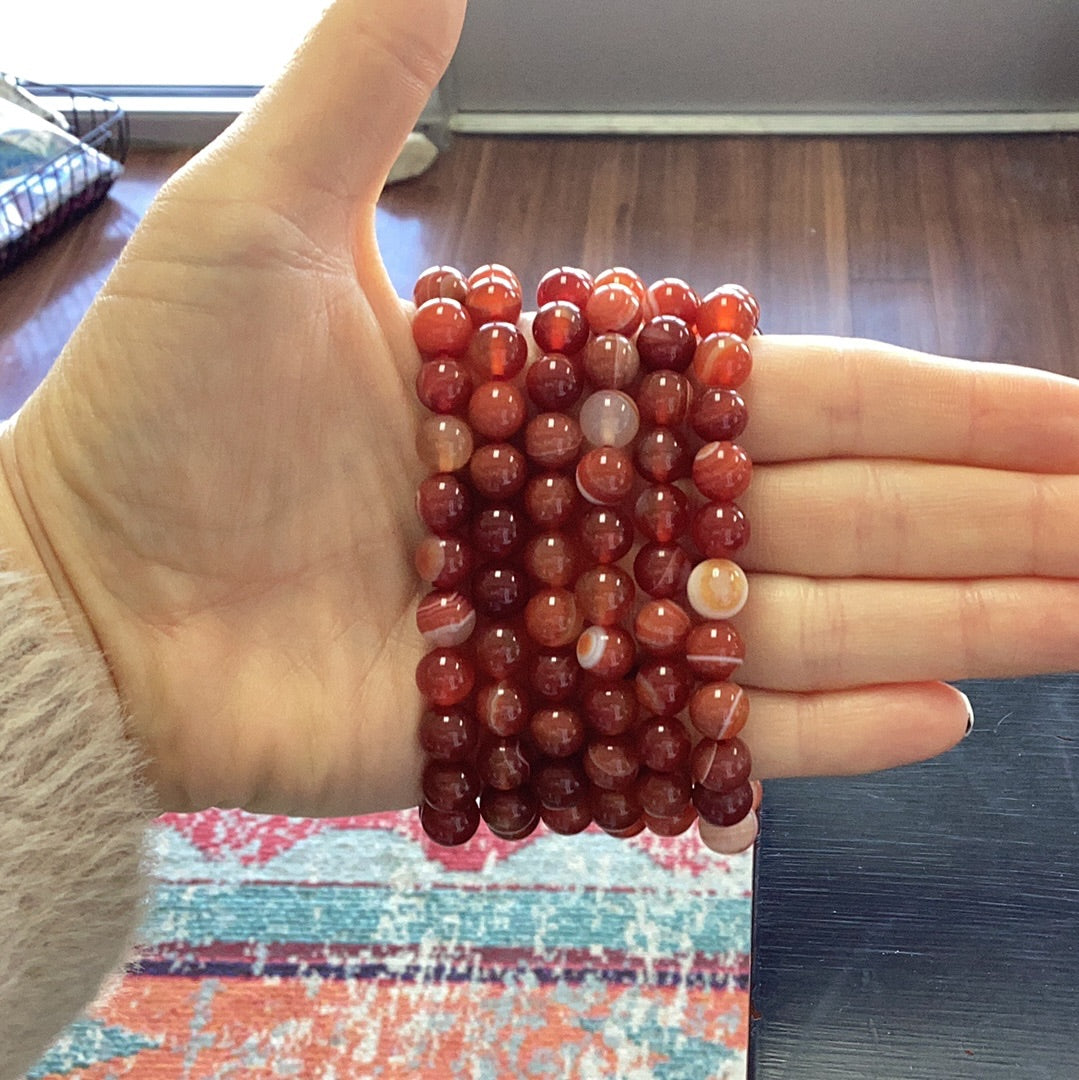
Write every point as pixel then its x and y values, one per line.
pixel 327 131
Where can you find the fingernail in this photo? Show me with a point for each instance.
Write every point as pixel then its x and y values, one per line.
pixel 970 714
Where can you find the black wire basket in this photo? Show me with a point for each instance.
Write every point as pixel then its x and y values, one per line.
pixel 73 182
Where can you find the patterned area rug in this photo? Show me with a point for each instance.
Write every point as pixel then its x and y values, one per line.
pixel 350 948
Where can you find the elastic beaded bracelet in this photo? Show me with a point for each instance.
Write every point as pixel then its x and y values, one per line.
pixel 582 526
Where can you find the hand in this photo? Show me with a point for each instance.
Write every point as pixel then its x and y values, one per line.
pixel 218 478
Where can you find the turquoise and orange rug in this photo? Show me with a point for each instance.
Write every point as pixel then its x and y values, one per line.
pixel 351 948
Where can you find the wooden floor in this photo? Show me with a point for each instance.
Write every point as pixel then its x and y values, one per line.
pixel 967 246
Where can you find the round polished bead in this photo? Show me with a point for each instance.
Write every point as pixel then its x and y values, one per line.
pixel 664 398
pixel 441 326
pixel 555 676
pixel 493 298
pixel 610 708
pixel 445 677
pixel 569 820
pixel 450 828
pixel 661 627
pixel 605 595
pixel 497 410
pixel 443 504
pixel 565 283
pixel 500 650
pixel 445 619
pixel 449 785
pixel 663 744
pixel 498 590
pixel 613 309
pixel 553 558
pixel 605 475
pixel 611 763
pixel 722 360
pixel 610 418
pixel 443 386
pixel 717 589
pixel 722 471
pixel 610 361
pixel 560 327
pixel 662 456
pixel 733 839
pixel 622 275
pixel 664 794
pixel 727 310
pixel 674 826
pixel 661 512
pixel 502 763
pixel 720 766
pixel 617 812
pixel 606 534
pixel 449 734
pixel 554 382
pixel 445 443
pixel 714 650
pixel 496 531
pixel 663 686
pixel 443 561
pixel 662 570
pixel 666 342
pixel 553 440
pixel 502 707
pixel 719 710
pixel 671 296
pixel 495 270
pixel 558 784
pixel 557 732
pixel 607 652
pixel 718 415
pixel 551 499
pixel 724 808
pixel 720 530
pixel 510 815
pixel 440 283
pixel 498 470
pixel 748 297
pixel 498 350
pixel 552 618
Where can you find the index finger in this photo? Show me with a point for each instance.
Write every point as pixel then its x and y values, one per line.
pixel 823 397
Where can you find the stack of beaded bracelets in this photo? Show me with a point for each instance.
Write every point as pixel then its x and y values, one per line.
pixel 552 693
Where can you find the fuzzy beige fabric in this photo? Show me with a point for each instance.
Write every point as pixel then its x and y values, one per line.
pixel 73 819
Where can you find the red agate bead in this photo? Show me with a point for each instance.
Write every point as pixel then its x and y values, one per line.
pixel 606 534
pixel 605 475
pixel 443 385
pixel 502 707
pixel 617 812
pixel 497 410
pixel 719 710
pixel 510 815
pixel 498 590
pixel 723 808
pixel 555 676
pixel 607 652
pixel 673 826
pixel 662 456
pixel 720 530
pixel 610 361
pixel 662 627
pixel 449 734
pixel 671 296
pixel 440 283
pixel 500 650
pixel 497 531
pixel 445 677
pixel 661 512
pixel 666 342
pixel 718 415
pixel 495 270
pixel 664 794
pixel 498 350
pixel 449 785
pixel 565 283
pixel 498 470
pixel 722 471
pixel 613 309
pixel 605 595
pixel 611 763
pixel 493 298
pixel 720 766
pixel 445 443
pixel 662 570
pixel 714 650
pixel 664 744
pixel 442 326
pixel 553 440
pixel 554 382
pixel 610 707
pixel 553 619
pixel 445 618
pixel 443 561
pixel 727 310
pixel 664 686
pixel 664 398
pixel 553 558
pixel 722 360
pixel 558 784
pixel 568 820
pixel 551 499
pixel 622 275
pixel 560 327
pixel 448 828
pixel 502 764
pixel 557 732
pixel 443 504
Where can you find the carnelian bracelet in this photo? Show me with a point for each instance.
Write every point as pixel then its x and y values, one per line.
pixel 558 490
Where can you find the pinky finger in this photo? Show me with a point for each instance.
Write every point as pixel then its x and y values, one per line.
pixel 843 733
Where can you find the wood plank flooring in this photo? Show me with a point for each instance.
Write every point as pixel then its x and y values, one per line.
pixel 968 246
